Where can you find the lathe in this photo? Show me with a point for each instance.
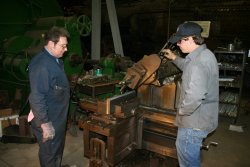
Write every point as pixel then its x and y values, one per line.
pixel 141 118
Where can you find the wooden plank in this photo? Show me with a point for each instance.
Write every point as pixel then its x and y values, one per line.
pixel 163 150
pixel 155 117
pixel 167 130
pixel 5 112
pixel 88 106
pixel 97 129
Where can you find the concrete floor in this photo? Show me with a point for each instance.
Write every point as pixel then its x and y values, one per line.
pixel 26 155
pixel 233 148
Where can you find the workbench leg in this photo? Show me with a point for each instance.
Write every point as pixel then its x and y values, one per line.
pixel 139 133
pixel 86 142
pixel 110 147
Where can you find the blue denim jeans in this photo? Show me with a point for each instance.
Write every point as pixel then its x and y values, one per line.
pixel 188 144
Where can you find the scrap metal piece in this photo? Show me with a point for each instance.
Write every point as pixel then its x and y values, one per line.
pixel 143 72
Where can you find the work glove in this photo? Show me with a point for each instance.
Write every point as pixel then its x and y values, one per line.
pixel 48 131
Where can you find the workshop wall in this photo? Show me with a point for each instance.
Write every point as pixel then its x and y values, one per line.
pixel 145 25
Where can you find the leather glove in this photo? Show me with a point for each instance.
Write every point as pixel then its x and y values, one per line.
pixel 48 131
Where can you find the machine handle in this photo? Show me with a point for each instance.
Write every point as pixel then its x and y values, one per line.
pixel 206 146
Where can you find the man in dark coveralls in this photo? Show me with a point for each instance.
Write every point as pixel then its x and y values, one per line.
pixel 49 97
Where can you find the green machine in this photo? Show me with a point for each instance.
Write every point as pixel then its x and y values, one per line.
pixel 23 24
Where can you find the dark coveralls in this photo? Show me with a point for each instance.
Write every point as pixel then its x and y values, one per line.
pixel 49 101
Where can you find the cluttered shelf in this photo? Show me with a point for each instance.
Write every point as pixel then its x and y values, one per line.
pixel 230 66
pixel 231 70
pixel 229 82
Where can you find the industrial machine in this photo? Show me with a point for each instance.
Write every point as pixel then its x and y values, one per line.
pixel 140 118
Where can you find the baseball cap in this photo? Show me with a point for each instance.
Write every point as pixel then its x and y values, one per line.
pixel 184 30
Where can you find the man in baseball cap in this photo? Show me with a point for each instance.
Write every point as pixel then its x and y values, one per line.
pixel 197 110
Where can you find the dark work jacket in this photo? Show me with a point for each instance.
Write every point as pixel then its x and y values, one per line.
pixel 50 92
